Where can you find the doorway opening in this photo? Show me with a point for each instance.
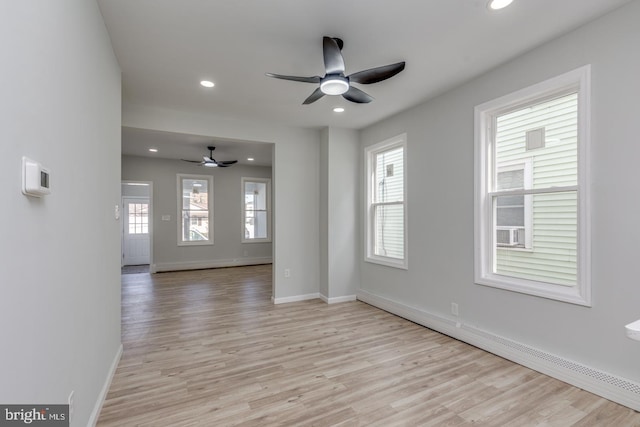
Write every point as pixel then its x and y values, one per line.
pixel 137 227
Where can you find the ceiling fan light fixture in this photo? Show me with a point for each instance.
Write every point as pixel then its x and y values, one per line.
pixel 334 85
pixel 499 4
pixel 210 165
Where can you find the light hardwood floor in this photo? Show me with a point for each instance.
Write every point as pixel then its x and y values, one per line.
pixel 208 348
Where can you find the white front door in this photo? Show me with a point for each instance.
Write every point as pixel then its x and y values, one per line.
pixel 136 245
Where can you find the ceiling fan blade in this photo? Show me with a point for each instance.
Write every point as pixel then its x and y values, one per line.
pixel 378 74
pixel 333 61
pixel 191 161
pixel 357 96
pixel 222 165
pixel 227 163
pixel 317 94
pixel 313 79
pixel 208 159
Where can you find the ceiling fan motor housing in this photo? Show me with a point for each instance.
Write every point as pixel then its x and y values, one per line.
pixel 334 85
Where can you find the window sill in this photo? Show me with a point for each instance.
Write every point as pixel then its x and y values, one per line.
pixel 388 262
pixel 515 249
pixel 196 243
pixel 571 294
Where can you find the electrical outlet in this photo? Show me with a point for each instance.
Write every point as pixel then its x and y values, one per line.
pixel 454 308
pixel 71 402
pixel 287 273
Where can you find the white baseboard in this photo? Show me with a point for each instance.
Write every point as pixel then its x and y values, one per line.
pixel 609 386
pixel 336 300
pixel 93 419
pixel 201 265
pixel 295 298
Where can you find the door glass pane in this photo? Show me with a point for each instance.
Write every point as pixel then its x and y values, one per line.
pixel 138 218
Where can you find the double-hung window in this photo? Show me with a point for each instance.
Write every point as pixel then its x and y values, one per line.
pixel 195 210
pixel 256 210
pixel 386 231
pixel 531 207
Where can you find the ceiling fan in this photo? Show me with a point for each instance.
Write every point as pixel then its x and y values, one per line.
pixel 335 82
pixel 210 162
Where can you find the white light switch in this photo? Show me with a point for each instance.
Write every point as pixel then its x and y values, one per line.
pixel 116 212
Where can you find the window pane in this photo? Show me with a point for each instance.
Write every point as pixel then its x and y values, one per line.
pixel 195 194
pixel 195 226
pixel 510 211
pixel 546 133
pixel 255 195
pixel 255 225
pixel 553 258
pixel 511 180
pixel 389 231
pixel 389 176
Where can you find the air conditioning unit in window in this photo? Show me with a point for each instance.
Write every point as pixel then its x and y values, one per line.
pixel 510 236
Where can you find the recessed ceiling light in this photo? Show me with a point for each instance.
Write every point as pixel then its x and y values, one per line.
pixel 153 150
pixel 499 4
pixel 207 83
pixel 250 159
pixel 338 110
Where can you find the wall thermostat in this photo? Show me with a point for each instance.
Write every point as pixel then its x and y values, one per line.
pixel 35 178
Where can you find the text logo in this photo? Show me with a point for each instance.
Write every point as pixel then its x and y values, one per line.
pixel 34 415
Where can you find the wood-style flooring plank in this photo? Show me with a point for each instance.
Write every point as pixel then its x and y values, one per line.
pixel 209 348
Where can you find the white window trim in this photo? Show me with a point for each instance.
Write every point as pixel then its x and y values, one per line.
pixel 580 80
pixel 268 238
pixel 209 179
pixel 369 232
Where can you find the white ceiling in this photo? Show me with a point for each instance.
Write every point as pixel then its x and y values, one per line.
pixel 165 47
pixel 136 142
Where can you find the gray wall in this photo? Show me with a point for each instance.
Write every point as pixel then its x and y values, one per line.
pixel 227 214
pixel 440 151
pixel 339 221
pixel 342 227
pixel 60 276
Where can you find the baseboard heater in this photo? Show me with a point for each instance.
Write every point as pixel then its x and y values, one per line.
pixel 608 386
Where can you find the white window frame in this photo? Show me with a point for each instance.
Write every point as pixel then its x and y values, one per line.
pixel 266 181
pixel 574 81
pixel 370 155
pixel 179 178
